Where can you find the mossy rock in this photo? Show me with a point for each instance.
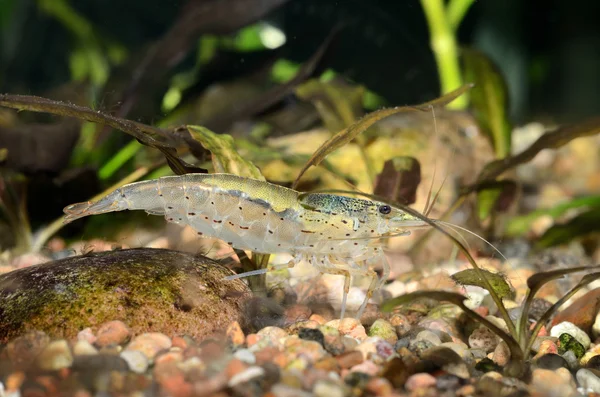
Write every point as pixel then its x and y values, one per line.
pixel 149 289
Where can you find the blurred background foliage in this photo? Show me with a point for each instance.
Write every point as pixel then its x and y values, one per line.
pixel 264 70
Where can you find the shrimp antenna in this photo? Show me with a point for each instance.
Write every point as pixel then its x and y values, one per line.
pixel 453 226
pixel 426 209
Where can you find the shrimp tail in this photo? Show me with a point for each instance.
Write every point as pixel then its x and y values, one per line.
pixel 81 210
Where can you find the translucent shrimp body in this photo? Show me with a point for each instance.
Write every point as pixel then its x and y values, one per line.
pixel 337 234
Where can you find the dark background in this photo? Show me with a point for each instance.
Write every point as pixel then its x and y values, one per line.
pixel 548 50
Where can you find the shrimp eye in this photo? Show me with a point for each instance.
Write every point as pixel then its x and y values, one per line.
pixel 385 209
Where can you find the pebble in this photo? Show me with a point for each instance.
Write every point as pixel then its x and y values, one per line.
pixel 366 367
pixel 553 383
pixel 112 333
pixel 501 354
pixel 551 361
pixel 136 360
pixel 460 348
pixel 234 334
pixel 401 324
pixel 271 336
pixel 596 326
pixel 384 330
pixel 312 334
pixel 547 346
pixel 430 337
pixel 569 328
pixel 246 375
pixel 350 359
pixel 318 319
pixel 588 380
pixel 327 388
pixel 150 343
pixel 295 347
pixel 84 348
pixel 87 335
pixel 572 360
pixel 23 350
pixel 245 355
pixel 56 355
pixel 420 381
pixel 379 387
pixel 368 346
pixel 350 327
pixel 483 338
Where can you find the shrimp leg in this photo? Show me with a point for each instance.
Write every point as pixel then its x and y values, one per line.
pixel 270 268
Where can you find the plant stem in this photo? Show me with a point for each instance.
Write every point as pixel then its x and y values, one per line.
pixel 443 44
pixel 45 234
pixel 455 12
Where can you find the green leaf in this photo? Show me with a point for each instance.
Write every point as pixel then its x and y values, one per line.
pixel 521 224
pixel 348 134
pixel 489 99
pixel 497 281
pixel 225 157
pixel 583 224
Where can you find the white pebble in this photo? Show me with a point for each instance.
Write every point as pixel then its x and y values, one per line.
pixel 569 328
pixel 588 381
pixel 136 360
pixel 84 348
pixel 245 376
pixel 245 355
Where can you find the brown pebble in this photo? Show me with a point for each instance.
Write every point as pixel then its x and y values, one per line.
pixel 150 343
pixel 14 382
pixel 234 334
pixel 379 387
pixel 112 333
pixel 234 367
pixel 328 364
pixel 169 357
pixel 211 350
pixel 350 359
pixel 296 313
pixel 179 342
pixel 23 350
pixel 317 318
pixel 420 381
pixel 265 355
pixel 251 339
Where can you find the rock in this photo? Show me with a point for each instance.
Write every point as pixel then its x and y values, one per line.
pixel 501 354
pixel 460 348
pixel 159 290
pixel 245 376
pixel 295 347
pixel 366 367
pixel 56 355
pixel 136 360
pixel 112 333
pixel 596 326
pixel 350 359
pixel 384 330
pixel 420 381
pixel 84 348
pixel 234 334
pixel 556 383
pixel 150 344
pixel 547 346
pixel 448 360
pixel 430 337
pixel 592 362
pixel 566 327
pixel 588 380
pixel 401 324
pixel 567 343
pixel 483 338
pixel 581 313
pixel 312 334
pixel 349 326
pixel 572 360
pixel 22 351
pixel 271 336
pixel 245 355
pixel 551 362
pixel 328 388
pixel 87 335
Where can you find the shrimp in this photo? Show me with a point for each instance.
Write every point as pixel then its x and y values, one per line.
pixel 336 234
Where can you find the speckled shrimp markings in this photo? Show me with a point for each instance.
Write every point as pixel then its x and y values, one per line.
pixel 336 234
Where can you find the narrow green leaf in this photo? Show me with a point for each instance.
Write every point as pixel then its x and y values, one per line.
pixel 583 224
pixel 497 281
pixel 489 99
pixel 225 157
pixel 345 136
pixel 495 196
pixel 521 224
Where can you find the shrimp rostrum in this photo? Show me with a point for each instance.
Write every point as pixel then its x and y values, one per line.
pixel 337 234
